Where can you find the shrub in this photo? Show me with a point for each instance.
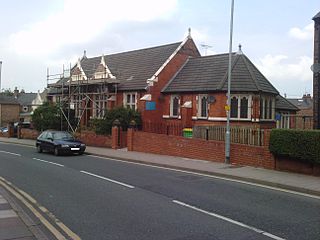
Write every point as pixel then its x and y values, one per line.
pixel 298 144
pixel 45 117
pixel 124 115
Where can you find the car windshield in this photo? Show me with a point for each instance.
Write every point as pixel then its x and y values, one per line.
pixel 62 136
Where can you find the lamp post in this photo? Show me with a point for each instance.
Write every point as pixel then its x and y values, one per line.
pixel 228 108
pixel 0 74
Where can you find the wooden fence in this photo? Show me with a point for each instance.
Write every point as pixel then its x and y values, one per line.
pixel 167 128
pixel 242 135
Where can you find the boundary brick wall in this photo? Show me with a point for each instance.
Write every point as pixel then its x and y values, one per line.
pixel 92 139
pixel 199 149
pixel 26 133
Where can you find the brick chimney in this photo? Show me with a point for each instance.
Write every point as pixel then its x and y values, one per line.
pixel 316 75
pixel 15 92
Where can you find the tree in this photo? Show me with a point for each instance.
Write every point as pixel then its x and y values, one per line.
pixel 47 116
pixel 7 92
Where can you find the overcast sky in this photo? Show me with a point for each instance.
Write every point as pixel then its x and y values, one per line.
pixel 277 35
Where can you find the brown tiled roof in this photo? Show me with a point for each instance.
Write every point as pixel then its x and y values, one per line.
pixel 210 73
pixel 132 68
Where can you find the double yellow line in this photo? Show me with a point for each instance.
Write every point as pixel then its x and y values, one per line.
pixel 26 199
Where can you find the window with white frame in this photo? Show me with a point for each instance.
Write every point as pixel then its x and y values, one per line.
pixel 284 120
pixel 174 106
pixel 267 108
pixel 99 106
pixel 240 107
pixel 130 100
pixel 203 106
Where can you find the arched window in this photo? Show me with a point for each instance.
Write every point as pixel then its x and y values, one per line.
pixel 244 107
pixel 174 106
pixel 203 106
pixel 234 107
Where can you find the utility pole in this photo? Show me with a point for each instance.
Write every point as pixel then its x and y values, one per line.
pixel 228 108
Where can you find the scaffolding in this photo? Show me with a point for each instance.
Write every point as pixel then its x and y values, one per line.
pixel 81 99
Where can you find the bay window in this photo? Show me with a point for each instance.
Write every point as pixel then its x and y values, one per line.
pixel 240 107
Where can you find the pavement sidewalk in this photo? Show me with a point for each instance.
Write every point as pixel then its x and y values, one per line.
pixel 15 223
pixel 286 180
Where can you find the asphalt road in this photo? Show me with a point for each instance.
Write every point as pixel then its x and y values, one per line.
pixel 107 199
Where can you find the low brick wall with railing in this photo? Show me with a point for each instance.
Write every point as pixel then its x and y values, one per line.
pixel 257 156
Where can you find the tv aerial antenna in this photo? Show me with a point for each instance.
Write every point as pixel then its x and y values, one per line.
pixel 205 47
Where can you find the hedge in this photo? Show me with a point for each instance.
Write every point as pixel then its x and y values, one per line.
pixel 298 144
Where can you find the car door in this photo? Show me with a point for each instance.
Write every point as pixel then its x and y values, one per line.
pixel 49 144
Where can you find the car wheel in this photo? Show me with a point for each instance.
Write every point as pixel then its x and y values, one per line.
pixel 56 151
pixel 39 149
pixel 81 152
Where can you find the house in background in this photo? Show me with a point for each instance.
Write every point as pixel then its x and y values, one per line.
pixel 9 110
pixel 28 103
pixel 170 84
pixel 286 113
pixel 304 116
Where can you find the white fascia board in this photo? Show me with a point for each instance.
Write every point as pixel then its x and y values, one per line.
pixel 81 69
pixel 155 76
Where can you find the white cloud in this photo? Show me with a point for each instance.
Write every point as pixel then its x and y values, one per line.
pixel 302 34
pixel 82 20
pixel 279 69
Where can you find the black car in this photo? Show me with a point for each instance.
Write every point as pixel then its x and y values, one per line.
pixel 59 142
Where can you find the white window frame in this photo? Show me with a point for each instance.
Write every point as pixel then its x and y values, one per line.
pixel 285 120
pixel 99 106
pixel 131 104
pixel 239 97
pixel 200 97
pixel 171 106
pixel 265 111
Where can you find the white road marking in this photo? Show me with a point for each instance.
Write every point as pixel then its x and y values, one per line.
pixel 16 154
pixel 108 179
pixel 212 176
pixel 57 164
pixel 229 220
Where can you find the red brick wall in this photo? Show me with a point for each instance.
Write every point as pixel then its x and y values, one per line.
pixel 290 165
pixel 26 133
pixel 91 139
pixel 199 149
pixel 189 49
pixel 9 113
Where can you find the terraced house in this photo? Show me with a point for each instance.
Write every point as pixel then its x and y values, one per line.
pixel 172 83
